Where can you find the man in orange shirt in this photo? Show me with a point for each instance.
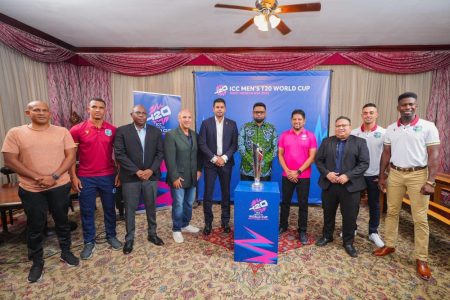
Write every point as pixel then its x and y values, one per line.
pixel 41 154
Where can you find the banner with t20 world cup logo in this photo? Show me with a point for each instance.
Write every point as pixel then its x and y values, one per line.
pixel 162 112
pixel 282 92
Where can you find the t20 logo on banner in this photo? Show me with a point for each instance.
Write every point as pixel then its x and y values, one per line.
pixel 159 114
pixel 258 207
pixel 221 90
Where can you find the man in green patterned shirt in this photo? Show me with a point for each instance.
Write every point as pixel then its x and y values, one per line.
pixel 257 132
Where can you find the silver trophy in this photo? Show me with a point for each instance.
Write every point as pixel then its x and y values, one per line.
pixel 257 162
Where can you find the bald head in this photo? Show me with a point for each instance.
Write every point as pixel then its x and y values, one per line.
pixel 184 112
pixel 139 116
pixel 39 113
pixel 32 104
pixel 138 107
pixel 185 119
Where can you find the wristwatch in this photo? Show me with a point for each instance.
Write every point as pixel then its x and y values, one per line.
pixel 55 176
pixel 299 171
pixel 432 183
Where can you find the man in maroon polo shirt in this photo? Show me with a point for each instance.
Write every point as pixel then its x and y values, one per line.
pixel 96 174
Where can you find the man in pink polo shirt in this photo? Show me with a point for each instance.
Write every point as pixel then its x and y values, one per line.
pixel 96 174
pixel 296 151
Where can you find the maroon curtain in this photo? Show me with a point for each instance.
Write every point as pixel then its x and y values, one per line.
pixel 438 111
pixel 405 62
pixel 272 61
pixel 33 46
pixel 70 88
pixel 139 64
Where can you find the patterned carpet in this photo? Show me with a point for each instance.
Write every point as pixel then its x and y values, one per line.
pixel 203 268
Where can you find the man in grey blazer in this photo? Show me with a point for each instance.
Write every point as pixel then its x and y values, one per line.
pixel 183 171
pixel 139 150
pixel 341 160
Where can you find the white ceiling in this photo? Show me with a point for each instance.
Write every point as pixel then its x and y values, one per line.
pixel 197 23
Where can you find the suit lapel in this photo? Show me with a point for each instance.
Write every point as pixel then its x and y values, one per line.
pixel 225 131
pixel 348 146
pixel 334 143
pixel 182 136
pixel 194 138
pixel 135 135
pixel 214 131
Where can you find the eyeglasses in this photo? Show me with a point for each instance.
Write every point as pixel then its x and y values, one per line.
pixel 342 126
pixel 258 112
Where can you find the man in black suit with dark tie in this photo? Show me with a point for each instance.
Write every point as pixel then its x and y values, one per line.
pixel 217 142
pixel 341 160
pixel 139 149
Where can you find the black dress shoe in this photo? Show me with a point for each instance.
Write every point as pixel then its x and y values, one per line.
pixel 226 228
pixel 303 237
pixel 323 241
pixel 155 240
pixel 128 247
pixel 282 230
pixel 350 250
pixel 207 230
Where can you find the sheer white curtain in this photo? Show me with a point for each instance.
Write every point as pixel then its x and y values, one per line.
pixel 351 88
pixel 178 82
pixel 21 81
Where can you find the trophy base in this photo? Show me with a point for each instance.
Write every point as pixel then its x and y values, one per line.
pixel 257 186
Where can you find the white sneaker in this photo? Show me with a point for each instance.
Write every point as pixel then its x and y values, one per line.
pixel 374 237
pixel 356 233
pixel 177 237
pixel 190 228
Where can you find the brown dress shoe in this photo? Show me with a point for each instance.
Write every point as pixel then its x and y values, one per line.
pixel 383 251
pixel 423 269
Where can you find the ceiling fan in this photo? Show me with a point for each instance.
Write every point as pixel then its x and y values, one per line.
pixel 267 14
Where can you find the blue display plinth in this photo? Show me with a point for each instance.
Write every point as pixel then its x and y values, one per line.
pixel 256 223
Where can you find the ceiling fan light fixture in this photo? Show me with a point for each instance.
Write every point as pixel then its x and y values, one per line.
pixel 274 21
pixel 264 27
pixel 261 22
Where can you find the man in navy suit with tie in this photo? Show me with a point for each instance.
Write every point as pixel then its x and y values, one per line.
pixel 341 160
pixel 217 142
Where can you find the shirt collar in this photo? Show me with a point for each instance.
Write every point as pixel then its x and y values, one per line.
pixel 372 130
pixel 145 127
pixel 217 121
pixel 291 131
pixel 413 123
pixel 255 124
pixel 91 124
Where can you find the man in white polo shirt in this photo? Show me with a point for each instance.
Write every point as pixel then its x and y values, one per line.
pixel 411 148
pixel 374 136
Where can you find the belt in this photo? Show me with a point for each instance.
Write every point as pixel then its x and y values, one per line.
pixel 412 169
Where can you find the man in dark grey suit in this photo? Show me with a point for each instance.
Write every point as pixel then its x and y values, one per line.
pixel 341 160
pixel 139 150
pixel 218 143
pixel 183 171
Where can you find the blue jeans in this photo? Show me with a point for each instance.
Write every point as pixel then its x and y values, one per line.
pixel 104 186
pixel 373 195
pixel 182 207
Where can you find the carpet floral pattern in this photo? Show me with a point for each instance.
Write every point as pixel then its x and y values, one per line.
pixel 204 269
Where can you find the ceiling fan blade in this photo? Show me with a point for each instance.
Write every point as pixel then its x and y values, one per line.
pixel 234 7
pixel 245 26
pixel 282 27
pixel 283 9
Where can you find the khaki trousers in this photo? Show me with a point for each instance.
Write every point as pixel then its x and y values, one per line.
pixel 398 184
